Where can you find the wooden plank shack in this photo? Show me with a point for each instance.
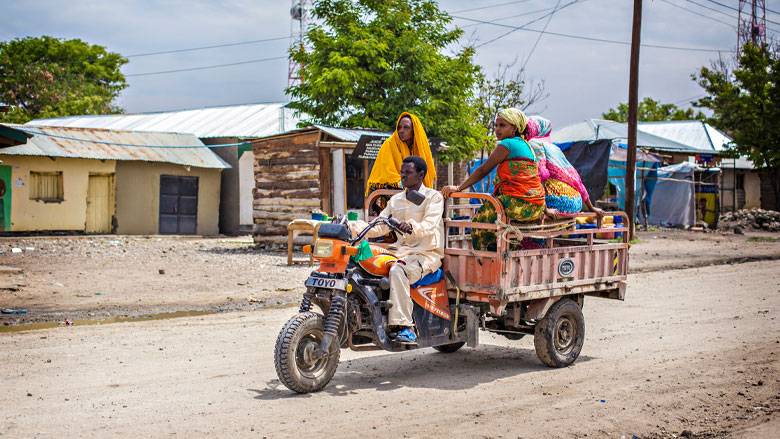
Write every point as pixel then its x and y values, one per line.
pixel 301 171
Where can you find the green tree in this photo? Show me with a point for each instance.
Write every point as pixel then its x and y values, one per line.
pixel 745 104
pixel 44 77
pixel 504 89
pixel 371 60
pixel 650 110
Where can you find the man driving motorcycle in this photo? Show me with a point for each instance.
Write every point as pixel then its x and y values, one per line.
pixel 420 248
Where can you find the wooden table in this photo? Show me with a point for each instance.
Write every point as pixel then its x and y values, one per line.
pixel 298 226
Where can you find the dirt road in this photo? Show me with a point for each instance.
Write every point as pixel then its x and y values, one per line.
pixel 691 352
pixel 94 277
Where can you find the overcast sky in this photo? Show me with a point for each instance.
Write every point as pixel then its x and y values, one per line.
pixel 583 77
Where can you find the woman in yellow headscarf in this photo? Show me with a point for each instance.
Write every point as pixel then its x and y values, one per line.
pixel 408 139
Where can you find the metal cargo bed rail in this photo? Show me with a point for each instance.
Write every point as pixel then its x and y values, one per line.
pixel 564 266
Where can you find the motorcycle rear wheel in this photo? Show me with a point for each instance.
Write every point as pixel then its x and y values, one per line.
pixel 296 366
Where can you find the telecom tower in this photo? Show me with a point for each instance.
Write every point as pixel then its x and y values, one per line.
pixel 299 19
pixel 751 23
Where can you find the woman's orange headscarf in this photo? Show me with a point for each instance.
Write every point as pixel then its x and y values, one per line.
pixel 387 167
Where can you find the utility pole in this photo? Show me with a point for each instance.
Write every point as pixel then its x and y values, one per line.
pixel 633 90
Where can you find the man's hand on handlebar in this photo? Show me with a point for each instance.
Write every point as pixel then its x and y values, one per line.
pixel 401 226
pixel 405 227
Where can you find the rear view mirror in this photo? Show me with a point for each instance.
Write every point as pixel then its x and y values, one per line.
pixel 415 197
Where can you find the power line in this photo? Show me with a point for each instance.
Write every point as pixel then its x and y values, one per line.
pixel 506 18
pixel 523 27
pixel 727 15
pixel 208 47
pixel 540 35
pixel 725 6
pixel 488 7
pixel 208 67
pixel 601 40
pixel 698 13
pixel 735 9
pixel 712 9
pixel 690 98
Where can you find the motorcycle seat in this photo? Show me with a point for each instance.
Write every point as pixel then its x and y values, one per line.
pixel 429 279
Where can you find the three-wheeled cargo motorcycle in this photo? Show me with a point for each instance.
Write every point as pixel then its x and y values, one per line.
pixel 510 292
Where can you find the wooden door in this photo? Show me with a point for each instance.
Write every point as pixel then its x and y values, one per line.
pixel 100 207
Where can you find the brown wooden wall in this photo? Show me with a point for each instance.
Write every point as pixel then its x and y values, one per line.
pixel 460 173
pixel 287 183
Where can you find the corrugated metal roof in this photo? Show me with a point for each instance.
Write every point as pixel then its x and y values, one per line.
pixel 350 134
pixel 252 120
pixel 593 129
pixel 44 145
pixel 10 136
pixel 693 133
pixel 738 163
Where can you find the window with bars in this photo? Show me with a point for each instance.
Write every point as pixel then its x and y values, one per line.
pixel 46 186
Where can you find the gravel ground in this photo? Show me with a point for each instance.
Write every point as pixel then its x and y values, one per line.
pixel 96 277
pixel 690 353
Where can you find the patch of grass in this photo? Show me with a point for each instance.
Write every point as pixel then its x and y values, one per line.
pixel 620 240
pixel 762 239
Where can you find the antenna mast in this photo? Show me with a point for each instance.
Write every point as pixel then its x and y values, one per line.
pixel 299 19
pixel 751 23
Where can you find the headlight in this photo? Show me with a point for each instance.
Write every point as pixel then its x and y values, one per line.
pixel 323 249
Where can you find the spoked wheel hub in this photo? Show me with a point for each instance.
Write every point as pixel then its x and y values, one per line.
pixel 565 330
pixel 306 356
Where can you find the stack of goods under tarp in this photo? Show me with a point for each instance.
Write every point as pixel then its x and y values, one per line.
pixel 751 219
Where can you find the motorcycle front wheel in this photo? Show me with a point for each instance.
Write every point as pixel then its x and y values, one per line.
pixel 294 355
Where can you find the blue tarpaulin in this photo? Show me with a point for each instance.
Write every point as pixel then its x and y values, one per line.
pixel 485 185
pixel 645 178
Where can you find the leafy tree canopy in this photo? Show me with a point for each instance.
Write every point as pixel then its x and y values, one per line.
pixel 650 110
pixel 371 60
pixel 505 89
pixel 43 77
pixel 746 105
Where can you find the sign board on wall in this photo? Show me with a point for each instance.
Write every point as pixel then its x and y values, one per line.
pixel 367 147
pixel 706 159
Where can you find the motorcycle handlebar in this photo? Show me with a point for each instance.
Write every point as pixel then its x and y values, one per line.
pixel 390 221
pixel 394 224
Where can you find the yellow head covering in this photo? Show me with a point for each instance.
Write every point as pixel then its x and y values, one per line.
pixel 387 167
pixel 515 117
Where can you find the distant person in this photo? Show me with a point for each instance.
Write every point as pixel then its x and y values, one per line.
pixel 517 187
pixel 409 139
pixel 563 188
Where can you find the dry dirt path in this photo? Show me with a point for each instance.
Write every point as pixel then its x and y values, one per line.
pixel 690 349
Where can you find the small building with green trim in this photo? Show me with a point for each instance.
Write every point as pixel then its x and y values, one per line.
pixel 77 180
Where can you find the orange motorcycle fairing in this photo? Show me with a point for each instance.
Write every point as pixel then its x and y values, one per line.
pixel 379 264
pixel 338 257
pixel 433 298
